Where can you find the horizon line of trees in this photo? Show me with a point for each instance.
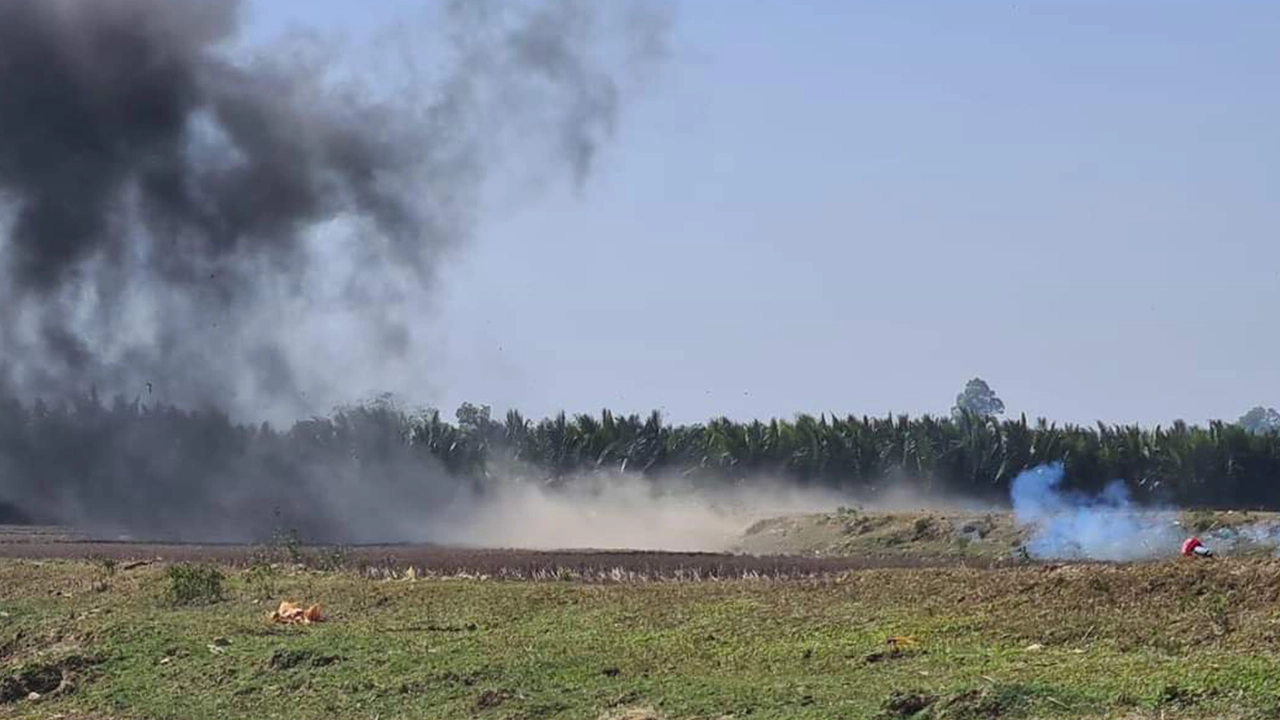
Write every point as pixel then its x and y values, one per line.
pixel 98 452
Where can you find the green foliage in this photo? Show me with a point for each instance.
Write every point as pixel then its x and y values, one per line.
pixel 1261 420
pixel 194 584
pixel 289 540
pixel 261 579
pixel 979 399
pixel 1202 521
pixel 971 453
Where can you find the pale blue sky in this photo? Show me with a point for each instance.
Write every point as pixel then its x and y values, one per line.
pixel 857 206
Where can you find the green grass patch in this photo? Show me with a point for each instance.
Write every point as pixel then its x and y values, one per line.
pixel 194 584
pixel 1131 642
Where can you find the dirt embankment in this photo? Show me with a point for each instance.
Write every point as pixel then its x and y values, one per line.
pixel 978 536
pixel 850 532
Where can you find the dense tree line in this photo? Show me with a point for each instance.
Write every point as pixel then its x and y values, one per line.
pixel 966 454
pixel 170 465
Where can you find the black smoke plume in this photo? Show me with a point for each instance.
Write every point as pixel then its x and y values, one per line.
pixel 188 219
pixel 174 208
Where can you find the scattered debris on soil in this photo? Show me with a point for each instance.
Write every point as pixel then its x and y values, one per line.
pixel 626 701
pixel 283 659
pixel 980 704
pixel 897 646
pixel 906 704
pixel 1175 696
pixel 490 699
pixel 291 613
pixel 974 704
pixel 882 655
pixel 37 681
pixel 1192 547
pixel 978 529
pixel 469 627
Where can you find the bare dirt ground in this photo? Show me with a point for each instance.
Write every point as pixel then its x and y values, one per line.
pixel 787 546
pixel 62 543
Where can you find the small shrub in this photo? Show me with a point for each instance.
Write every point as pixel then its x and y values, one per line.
pixel 261 579
pixel 907 704
pixel 333 558
pixel 992 702
pixel 194 584
pixel 106 565
pixel 1202 521
pixel 261 555
pixel 106 570
pixel 1218 610
pixel 924 528
pixel 981 527
pixel 291 542
pixel 283 659
pixel 1176 696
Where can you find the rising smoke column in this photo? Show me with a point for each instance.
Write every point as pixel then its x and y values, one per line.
pixel 1072 525
pixel 256 232
pixel 205 225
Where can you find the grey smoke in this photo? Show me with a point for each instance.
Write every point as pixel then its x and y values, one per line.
pixel 210 230
pixel 251 228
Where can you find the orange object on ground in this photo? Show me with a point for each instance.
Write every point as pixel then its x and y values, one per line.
pixel 294 613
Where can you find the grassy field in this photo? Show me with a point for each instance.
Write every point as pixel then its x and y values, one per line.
pixel 1189 638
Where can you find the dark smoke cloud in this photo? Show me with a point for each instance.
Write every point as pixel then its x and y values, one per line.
pixel 208 230
pixel 243 229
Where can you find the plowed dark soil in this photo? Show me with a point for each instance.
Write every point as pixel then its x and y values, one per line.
pixel 53 543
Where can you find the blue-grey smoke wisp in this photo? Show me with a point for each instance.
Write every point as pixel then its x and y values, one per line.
pixel 1066 524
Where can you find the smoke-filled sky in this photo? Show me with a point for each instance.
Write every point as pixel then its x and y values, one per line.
pixel 837 206
pixel 260 224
